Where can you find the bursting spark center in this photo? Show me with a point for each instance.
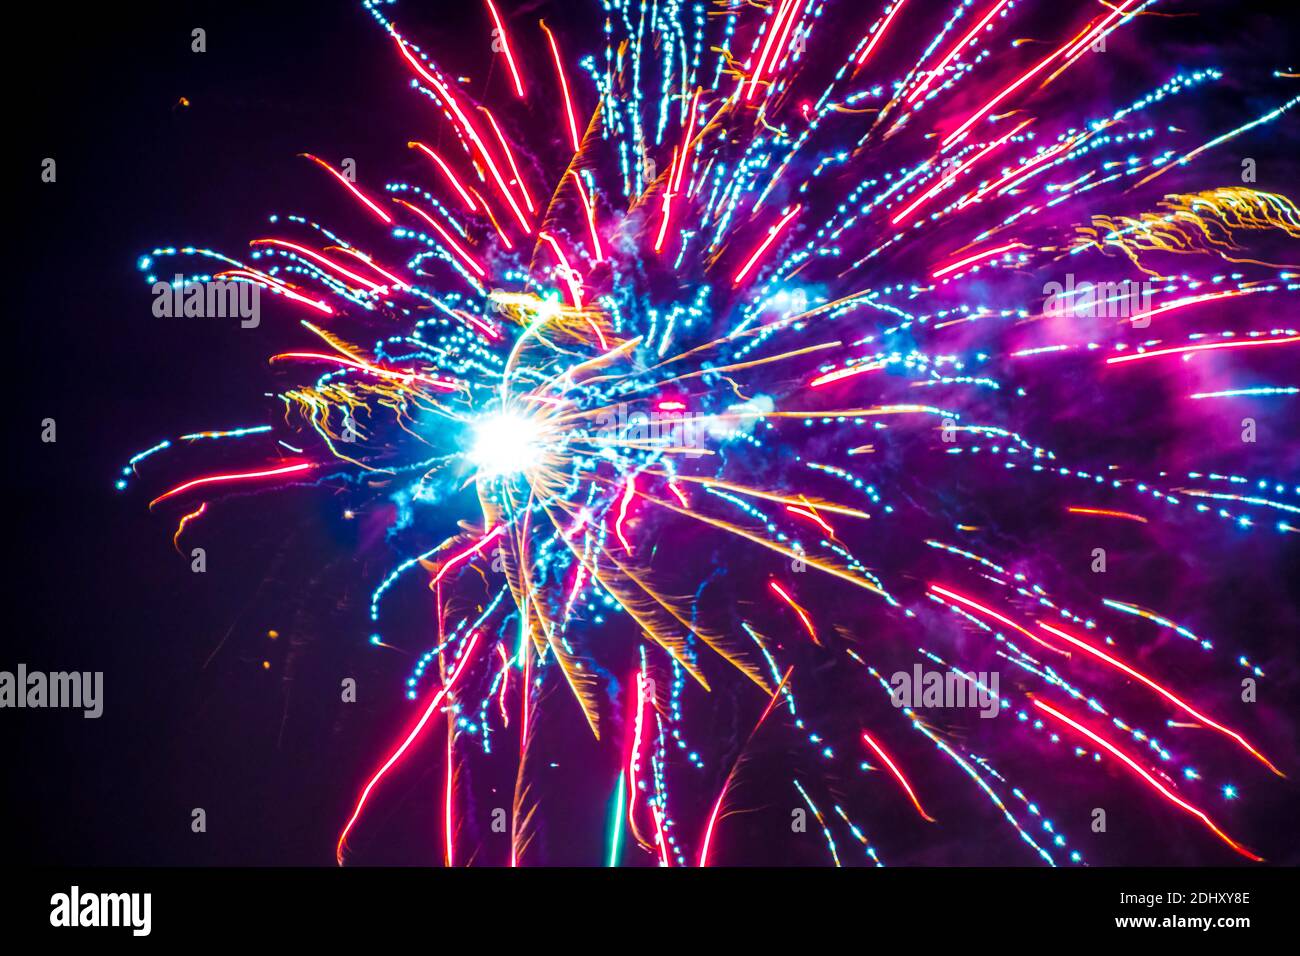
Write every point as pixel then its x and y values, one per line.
pixel 505 443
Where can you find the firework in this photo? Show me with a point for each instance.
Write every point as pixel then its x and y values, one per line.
pixel 766 353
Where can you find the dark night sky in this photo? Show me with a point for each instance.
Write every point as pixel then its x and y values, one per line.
pixel 96 586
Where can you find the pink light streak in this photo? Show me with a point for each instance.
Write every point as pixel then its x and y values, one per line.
pixel 879 34
pixel 1151 781
pixel 726 784
pixel 590 213
pixel 275 286
pixel 768 43
pixel 467 553
pixel 1066 49
pixel 404 746
pixel 1188 349
pixel 898 775
pixel 235 476
pixel 510 158
pixel 1184 303
pixel 564 87
pixel 447 238
pixel 772 233
pixel 628 491
pixel 989 612
pixel 811 516
pixel 505 48
pixel 447 171
pixel 318 258
pixel 794 606
pixel 977 257
pixel 350 188
pixel 840 374
pixel 469 128
pixel 1162 691
pixel 567 272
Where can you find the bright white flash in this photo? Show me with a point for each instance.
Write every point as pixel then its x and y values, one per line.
pixel 505 444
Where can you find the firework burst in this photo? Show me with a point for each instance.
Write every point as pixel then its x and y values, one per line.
pixel 791 351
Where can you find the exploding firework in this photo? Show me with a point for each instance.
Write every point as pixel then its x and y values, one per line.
pixel 813 381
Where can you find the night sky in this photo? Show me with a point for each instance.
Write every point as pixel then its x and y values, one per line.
pixel 192 719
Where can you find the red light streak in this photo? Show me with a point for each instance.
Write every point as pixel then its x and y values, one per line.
pixel 977 257
pixel 350 188
pixel 988 612
pixel 880 33
pixel 564 87
pixel 803 615
pixel 455 246
pixel 628 491
pixel 785 7
pixel 448 835
pixel 898 775
pixel 1187 349
pixel 1183 303
pixel 276 286
pixel 447 171
pixel 1162 691
pixel 688 141
pixel 840 374
pixel 235 476
pixel 510 158
pixel 1031 73
pixel 317 257
pixel 666 210
pixel 404 746
pixel 591 216
pixel 362 257
pixel 811 516
pixel 952 176
pixel 634 757
pixel 1151 780
pixel 467 553
pixel 772 233
pixel 470 130
pixel 505 48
